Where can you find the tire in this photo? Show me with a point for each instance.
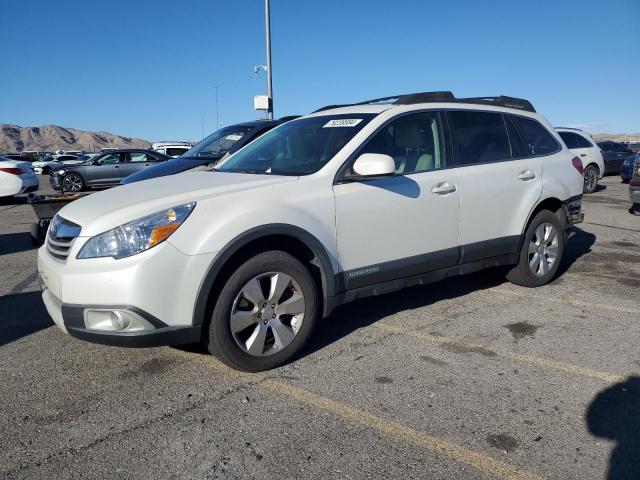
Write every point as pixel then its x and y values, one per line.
pixel 523 274
pixel 253 327
pixel 72 182
pixel 590 179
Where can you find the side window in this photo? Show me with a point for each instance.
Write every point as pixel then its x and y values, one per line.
pixel 583 142
pixel 518 148
pixel 619 148
pixel 569 139
pixel 538 138
pixel 479 137
pixel 138 157
pixel 175 152
pixel 109 159
pixel 415 143
pixel 606 147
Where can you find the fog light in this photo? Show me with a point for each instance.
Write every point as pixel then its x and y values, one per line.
pixel 115 320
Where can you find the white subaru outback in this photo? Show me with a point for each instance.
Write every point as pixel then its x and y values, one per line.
pixel 350 201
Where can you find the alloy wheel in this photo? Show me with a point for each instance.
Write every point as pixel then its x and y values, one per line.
pixel 72 183
pixel 543 249
pixel 590 179
pixel 267 314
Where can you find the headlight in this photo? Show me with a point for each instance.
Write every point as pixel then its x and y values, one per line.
pixel 626 163
pixel 137 236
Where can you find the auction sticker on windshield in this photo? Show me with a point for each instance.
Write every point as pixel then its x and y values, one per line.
pixel 342 122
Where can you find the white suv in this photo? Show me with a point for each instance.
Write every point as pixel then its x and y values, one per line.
pixel 583 145
pixel 344 203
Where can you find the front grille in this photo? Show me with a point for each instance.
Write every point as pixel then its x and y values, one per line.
pixel 60 237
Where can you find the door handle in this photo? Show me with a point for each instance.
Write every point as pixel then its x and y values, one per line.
pixel 526 175
pixel 583 154
pixel 116 166
pixel 443 188
pixel 146 164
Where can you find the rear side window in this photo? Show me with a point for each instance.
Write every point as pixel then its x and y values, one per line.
pixel 583 142
pixel 537 137
pixel 479 137
pixel 518 148
pixel 569 139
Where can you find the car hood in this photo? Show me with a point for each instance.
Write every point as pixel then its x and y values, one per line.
pixel 170 167
pixel 104 210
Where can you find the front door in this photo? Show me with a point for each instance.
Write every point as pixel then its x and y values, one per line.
pixel 406 224
pixel 105 170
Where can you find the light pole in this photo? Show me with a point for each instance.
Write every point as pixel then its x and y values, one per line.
pixel 267 17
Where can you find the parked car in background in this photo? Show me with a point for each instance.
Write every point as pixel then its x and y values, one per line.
pixel 634 146
pixel 172 149
pixel 626 171
pixel 345 203
pixel 46 165
pixel 614 155
pixel 20 157
pixel 81 159
pixel 586 148
pixel 211 150
pixel 16 177
pixel 104 170
pixel 634 187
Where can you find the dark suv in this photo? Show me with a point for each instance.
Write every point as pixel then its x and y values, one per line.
pixel 104 170
pixel 210 150
pixel 614 154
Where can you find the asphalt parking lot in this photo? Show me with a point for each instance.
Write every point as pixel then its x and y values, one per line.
pixel 468 378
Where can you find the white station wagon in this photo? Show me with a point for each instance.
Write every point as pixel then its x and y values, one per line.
pixel 350 201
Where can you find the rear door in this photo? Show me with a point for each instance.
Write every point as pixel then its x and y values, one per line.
pixel 105 170
pixel 620 153
pixel 499 182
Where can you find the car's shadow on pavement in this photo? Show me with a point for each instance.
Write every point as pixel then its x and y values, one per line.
pixel 15 242
pixel 22 314
pixel 614 414
pixel 365 312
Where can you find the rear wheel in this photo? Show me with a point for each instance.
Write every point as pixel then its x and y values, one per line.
pixel 265 313
pixel 541 251
pixel 72 182
pixel 590 179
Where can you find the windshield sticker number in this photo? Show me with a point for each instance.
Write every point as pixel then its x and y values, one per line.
pixel 233 138
pixel 343 122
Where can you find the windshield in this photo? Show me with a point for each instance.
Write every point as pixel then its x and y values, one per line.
pixel 219 142
pixel 298 147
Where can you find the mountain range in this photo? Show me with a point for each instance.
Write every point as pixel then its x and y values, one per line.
pixel 49 138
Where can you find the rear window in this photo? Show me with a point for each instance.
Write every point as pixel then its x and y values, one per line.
pixel 174 152
pixel 479 137
pixel 539 140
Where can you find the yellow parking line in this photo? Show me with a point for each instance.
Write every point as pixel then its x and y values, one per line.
pixel 518 357
pixel 480 461
pixel 575 303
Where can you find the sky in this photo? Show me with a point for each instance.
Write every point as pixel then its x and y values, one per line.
pixel 149 69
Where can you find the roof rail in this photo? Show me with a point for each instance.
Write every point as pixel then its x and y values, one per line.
pixel 445 96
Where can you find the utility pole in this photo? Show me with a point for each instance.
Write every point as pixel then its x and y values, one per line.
pixel 269 70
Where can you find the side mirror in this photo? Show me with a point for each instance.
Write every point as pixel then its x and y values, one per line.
pixel 374 165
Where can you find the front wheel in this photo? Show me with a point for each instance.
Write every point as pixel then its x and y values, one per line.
pixel 590 179
pixel 72 182
pixel 265 313
pixel 541 251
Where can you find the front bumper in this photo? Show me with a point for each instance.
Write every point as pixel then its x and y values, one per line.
pixel 71 319
pixel 158 287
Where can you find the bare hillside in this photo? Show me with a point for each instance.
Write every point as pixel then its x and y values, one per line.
pixel 14 138
pixel 618 137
